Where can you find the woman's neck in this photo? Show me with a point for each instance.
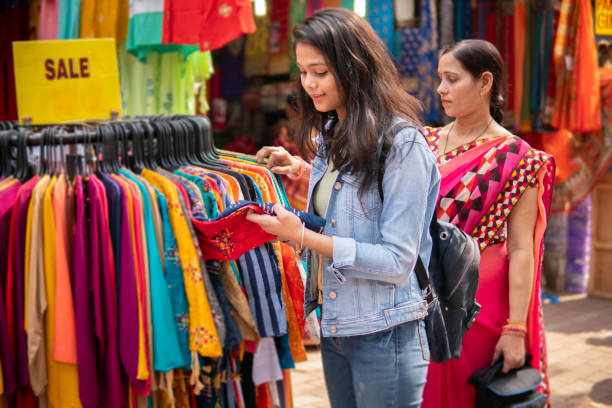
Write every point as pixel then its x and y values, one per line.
pixel 468 125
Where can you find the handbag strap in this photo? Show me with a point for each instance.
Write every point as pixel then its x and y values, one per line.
pixel 423 279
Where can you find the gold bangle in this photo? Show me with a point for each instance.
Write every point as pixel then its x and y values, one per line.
pixel 516 323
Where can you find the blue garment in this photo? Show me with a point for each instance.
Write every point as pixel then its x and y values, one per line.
pixel 371 286
pixel 211 208
pixel 418 59
pixel 263 285
pixel 384 369
pixel 176 285
pixel 69 19
pixel 233 338
pixel 166 349
pixel 380 15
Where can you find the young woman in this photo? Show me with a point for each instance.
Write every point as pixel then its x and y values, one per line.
pixel 375 181
pixel 498 189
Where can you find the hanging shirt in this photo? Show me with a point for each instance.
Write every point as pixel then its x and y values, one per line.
pixel 18 238
pixel 104 18
pixel 8 192
pixel 185 196
pixel 86 269
pixel 65 349
pixel 111 389
pixel 63 388
pixel 129 315
pixel 166 350
pixel 176 285
pixel 134 224
pixel 37 293
pixel 69 19
pixel 203 335
pixel 49 14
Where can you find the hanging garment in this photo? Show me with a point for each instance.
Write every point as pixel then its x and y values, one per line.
pixel 69 19
pixel 8 192
pixel 418 61
pixel 63 385
pixel 37 293
pixel 15 288
pixel 228 237
pixel 111 389
pixel 104 18
pixel 380 16
pixel 203 335
pixel 86 271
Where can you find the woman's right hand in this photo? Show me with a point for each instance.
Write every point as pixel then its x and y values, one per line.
pixel 280 161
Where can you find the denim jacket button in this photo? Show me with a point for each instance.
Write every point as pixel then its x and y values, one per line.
pixel 332 222
pixel 332 295
pixel 332 329
pixel 337 185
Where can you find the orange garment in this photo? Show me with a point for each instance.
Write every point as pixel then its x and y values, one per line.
pixel 144 279
pixel 63 386
pixel 105 18
pixel 296 343
pixel 585 111
pixel 65 343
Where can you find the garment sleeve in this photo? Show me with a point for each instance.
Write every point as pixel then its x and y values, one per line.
pixel 410 189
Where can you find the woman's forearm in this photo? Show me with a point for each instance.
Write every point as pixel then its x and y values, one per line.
pixel 520 282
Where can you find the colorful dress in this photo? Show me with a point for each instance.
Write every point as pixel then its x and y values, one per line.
pixel 481 183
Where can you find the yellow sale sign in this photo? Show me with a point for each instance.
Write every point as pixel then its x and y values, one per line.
pixel 66 80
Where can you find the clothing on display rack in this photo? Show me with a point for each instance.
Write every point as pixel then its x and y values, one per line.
pixel 111 297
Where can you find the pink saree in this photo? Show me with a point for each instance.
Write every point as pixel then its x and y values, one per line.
pixel 481 183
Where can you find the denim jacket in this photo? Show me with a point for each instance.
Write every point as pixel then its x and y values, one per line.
pixel 369 286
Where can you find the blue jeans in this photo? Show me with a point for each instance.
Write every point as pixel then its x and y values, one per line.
pixel 385 369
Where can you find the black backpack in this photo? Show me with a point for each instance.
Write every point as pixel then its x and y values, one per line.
pixel 451 289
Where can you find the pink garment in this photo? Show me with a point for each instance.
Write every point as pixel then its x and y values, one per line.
pixel 446 384
pixel 49 15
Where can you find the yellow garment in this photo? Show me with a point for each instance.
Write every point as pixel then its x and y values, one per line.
pixel 105 18
pixel 203 336
pixel 7 182
pixel 63 386
pixel 145 256
pixel 143 372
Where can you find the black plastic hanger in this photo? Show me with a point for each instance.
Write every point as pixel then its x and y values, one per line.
pixel 22 171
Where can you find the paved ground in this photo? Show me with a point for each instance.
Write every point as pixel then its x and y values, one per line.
pixel 579 333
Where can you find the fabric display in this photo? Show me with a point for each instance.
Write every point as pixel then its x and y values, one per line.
pixel 111 296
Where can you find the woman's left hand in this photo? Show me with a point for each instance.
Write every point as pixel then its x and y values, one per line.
pixel 513 349
pixel 285 225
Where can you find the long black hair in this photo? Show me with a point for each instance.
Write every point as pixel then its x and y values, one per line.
pixel 478 57
pixel 371 86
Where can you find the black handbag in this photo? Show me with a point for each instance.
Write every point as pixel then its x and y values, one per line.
pixel 451 289
pixel 515 389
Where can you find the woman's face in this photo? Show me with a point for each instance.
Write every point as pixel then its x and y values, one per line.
pixel 459 90
pixel 318 81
